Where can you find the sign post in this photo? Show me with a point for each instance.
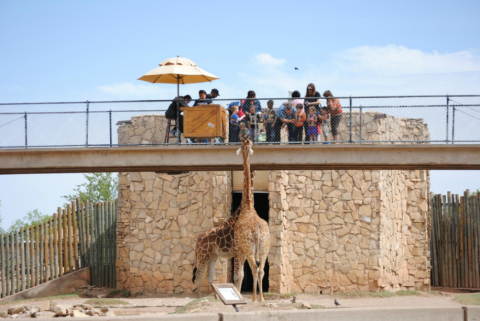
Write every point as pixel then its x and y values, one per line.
pixel 229 294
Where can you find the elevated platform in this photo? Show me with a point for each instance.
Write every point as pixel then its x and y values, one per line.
pixel 220 158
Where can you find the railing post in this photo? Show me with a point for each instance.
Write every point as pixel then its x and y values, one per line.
pixel 453 125
pixel 361 120
pixel 448 103
pixel 86 138
pixel 26 135
pixel 110 116
pixel 178 123
pixel 350 119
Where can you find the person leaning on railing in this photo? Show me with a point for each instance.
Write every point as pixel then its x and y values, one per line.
pixel 251 101
pixel 171 113
pixel 335 110
pixel 286 114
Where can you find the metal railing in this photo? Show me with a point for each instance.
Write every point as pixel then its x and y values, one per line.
pixel 444 119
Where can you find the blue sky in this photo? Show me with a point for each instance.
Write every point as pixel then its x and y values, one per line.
pixel 95 50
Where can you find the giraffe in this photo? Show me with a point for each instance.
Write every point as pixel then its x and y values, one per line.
pixel 211 244
pixel 252 236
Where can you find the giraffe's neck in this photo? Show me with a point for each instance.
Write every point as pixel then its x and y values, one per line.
pixel 247 196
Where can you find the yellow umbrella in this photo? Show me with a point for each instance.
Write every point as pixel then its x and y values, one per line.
pixel 178 71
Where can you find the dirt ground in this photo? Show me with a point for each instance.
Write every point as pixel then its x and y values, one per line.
pixel 162 304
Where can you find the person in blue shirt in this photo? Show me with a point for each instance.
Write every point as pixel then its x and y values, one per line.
pixel 251 101
pixel 286 114
pixel 202 100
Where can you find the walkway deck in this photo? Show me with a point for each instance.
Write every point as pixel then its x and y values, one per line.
pixel 219 158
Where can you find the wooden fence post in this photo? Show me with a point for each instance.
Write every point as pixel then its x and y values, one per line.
pixel 71 253
pixel 7 265
pixel 115 243
pixel 41 253
pixel 75 235
pixel 81 231
pixel 87 233
pixel 65 246
pixel 28 258
pixel 22 258
pixel 52 255
pixel 93 251
pixel 13 260
pixel 32 256
pixel 4 261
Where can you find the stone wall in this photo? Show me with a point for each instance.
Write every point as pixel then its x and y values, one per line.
pixel 348 231
pixel 330 230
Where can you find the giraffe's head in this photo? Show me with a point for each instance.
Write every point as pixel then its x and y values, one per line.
pixel 246 146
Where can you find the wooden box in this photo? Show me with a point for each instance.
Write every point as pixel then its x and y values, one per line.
pixel 206 121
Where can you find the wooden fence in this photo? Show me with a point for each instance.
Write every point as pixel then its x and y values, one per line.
pixel 82 235
pixel 455 240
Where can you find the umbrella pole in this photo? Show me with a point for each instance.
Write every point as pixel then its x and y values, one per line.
pixel 178 85
pixel 178 110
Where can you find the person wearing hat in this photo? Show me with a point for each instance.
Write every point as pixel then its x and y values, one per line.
pixel 213 94
pixel 202 100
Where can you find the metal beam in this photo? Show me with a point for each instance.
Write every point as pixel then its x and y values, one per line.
pixel 219 158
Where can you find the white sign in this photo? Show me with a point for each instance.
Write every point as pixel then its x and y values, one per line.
pixel 229 294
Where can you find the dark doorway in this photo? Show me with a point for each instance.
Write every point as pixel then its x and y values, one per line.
pixel 262 207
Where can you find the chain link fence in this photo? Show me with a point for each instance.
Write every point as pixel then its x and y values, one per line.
pixel 362 120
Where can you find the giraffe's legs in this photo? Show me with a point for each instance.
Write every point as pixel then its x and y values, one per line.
pixel 261 273
pixel 198 280
pixel 239 263
pixel 211 272
pixel 254 267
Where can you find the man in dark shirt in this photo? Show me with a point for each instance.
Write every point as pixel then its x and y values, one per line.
pixel 171 112
pixel 213 94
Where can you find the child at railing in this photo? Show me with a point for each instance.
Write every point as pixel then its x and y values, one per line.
pixel 234 125
pixel 253 120
pixel 300 118
pixel 323 121
pixel 270 120
pixel 312 120
pixel 244 132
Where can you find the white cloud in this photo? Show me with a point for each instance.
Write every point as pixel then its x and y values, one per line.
pixel 395 60
pixel 267 60
pixel 372 70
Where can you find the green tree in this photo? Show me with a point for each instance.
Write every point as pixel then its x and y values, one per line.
pixel 100 187
pixel 34 217
pixel 476 192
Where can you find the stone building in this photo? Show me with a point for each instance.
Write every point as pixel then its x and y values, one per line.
pixel 354 230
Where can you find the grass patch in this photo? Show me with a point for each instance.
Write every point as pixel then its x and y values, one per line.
pixel 407 292
pixel 55 297
pixel 137 294
pixel 383 294
pixel 114 291
pixel 434 293
pixel 102 302
pixel 468 299
pixel 191 304
pixel 126 294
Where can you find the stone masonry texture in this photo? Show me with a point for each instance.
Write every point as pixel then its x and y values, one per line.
pixel 354 230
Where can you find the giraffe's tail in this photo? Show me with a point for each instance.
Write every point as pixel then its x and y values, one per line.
pixel 257 246
pixel 194 267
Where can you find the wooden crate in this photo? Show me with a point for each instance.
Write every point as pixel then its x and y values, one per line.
pixel 206 121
